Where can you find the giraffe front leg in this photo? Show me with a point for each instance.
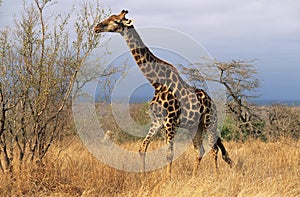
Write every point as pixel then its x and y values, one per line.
pixel 170 155
pixel 142 152
pixel 155 126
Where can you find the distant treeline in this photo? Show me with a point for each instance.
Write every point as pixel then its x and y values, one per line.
pixel 260 102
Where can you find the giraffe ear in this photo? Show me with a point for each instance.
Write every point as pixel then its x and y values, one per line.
pixel 123 13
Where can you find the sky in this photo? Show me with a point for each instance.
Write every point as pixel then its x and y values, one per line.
pixel 265 30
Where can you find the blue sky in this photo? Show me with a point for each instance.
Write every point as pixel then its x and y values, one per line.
pixel 266 30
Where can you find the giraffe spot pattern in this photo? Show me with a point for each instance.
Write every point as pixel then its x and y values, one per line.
pixel 166 106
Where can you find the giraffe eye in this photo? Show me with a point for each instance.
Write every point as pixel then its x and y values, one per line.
pixel 117 22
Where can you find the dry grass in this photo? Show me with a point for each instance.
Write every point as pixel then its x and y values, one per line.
pixel 261 169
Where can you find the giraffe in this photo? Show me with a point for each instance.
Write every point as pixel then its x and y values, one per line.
pixel 175 103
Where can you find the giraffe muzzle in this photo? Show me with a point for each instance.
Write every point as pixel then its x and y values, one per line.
pixel 97 29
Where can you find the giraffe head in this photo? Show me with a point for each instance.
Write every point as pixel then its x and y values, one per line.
pixel 115 23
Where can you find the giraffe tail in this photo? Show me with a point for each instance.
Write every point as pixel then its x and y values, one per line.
pixel 225 154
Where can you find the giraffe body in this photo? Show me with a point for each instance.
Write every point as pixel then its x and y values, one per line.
pixel 175 103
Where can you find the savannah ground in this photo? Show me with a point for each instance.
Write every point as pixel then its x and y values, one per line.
pixel 261 169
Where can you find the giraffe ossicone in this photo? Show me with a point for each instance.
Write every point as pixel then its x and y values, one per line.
pixel 175 103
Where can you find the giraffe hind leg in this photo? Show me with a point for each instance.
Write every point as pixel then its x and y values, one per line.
pixel 215 151
pixel 198 149
pixel 225 154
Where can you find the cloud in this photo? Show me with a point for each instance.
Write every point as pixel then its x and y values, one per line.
pixel 243 29
pixel 206 18
pixel 226 18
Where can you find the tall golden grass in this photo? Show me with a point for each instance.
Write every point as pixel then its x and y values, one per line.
pixel 261 169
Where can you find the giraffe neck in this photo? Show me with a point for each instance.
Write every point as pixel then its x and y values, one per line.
pixel 153 68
